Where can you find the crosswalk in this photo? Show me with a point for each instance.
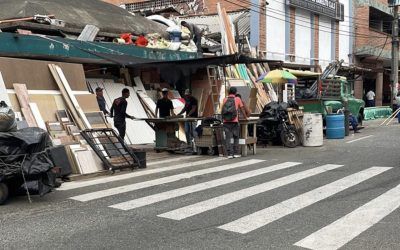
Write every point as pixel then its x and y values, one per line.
pixel 332 236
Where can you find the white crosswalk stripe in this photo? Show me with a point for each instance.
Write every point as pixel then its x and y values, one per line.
pixel 164 180
pixel 332 236
pixel 175 159
pixel 225 199
pixel 108 179
pixel 265 216
pixel 353 224
pixel 200 187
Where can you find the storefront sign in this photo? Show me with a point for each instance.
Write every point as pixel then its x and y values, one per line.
pixel 322 7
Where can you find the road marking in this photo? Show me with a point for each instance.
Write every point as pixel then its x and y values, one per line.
pixel 191 210
pixel 359 139
pixel 80 184
pixel 172 160
pixel 265 216
pixel 163 180
pixel 353 224
pixel 200 187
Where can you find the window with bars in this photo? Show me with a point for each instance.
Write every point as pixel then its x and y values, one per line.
pixel 158 4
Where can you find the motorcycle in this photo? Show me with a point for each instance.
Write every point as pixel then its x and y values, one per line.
pixel 274 126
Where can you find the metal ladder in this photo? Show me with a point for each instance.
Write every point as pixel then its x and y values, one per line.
pixel 332 69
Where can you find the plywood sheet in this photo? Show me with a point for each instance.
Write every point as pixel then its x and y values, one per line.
pixel 137 132
pixel 88 162
pixel 46 105
pixel 36 74
pixel 88 103
pixel 3 91
pixel 14 102
pixel 58 99
pixel 37 115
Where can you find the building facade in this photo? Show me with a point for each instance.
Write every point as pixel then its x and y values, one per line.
pixel 372 48
pixel 309 32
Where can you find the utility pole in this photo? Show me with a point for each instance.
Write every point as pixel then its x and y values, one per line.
pixel 395 51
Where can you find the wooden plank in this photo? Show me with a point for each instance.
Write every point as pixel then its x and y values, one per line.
pixel 89 33
pixel 72 97
pixel 29 118
pixel 22 94
pixel 3 92
pixel 36 114
pixel 71 104
pixel 23 99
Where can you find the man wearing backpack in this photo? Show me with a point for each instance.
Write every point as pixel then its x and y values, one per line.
pixel 230 116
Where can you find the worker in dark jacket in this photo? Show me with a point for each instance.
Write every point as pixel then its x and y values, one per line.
pixel 118 111
pixel 101 101
pixel 195 34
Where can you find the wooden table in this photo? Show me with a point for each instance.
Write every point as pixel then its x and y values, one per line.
pixel 245 140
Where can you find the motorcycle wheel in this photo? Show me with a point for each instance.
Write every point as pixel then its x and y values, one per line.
pixel 289 138
pixel 3 193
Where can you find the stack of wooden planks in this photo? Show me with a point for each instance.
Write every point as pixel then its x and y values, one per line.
pixel 248 73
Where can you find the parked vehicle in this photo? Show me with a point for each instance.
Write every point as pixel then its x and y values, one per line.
pixel 330 96
pixel 274 127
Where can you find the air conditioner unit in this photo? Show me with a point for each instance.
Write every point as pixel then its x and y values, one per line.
pixel 340 12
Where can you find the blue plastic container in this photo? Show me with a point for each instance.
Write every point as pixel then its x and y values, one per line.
pixel 175 36
pixel 335 126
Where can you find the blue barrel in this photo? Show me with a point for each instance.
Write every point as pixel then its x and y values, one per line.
pixel 335 126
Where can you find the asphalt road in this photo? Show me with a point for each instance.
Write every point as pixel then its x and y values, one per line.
pixel 279 199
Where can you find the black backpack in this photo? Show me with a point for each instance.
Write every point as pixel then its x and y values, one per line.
pixel 229 111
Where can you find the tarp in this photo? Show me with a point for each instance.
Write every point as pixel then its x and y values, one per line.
pixel 132 61
pixel 24 152
pixel 78 13
pixel 372 113
pixel 302 73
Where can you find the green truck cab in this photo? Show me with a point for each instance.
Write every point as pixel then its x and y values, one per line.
pixel 330 96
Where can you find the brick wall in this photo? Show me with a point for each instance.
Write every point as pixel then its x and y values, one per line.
pixel 365 36
pixel 211 5
pixel 316 37
pixel 292 43
pixel 263 27
pixel 337 40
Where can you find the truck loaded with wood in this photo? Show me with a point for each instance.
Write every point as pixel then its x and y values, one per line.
pixel 327 93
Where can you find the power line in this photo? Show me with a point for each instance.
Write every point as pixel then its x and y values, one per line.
pixel 344 32
pixel 313 28
pixel 283 13
pixel 355 18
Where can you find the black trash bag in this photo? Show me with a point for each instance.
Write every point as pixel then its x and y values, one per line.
pixel 27 147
